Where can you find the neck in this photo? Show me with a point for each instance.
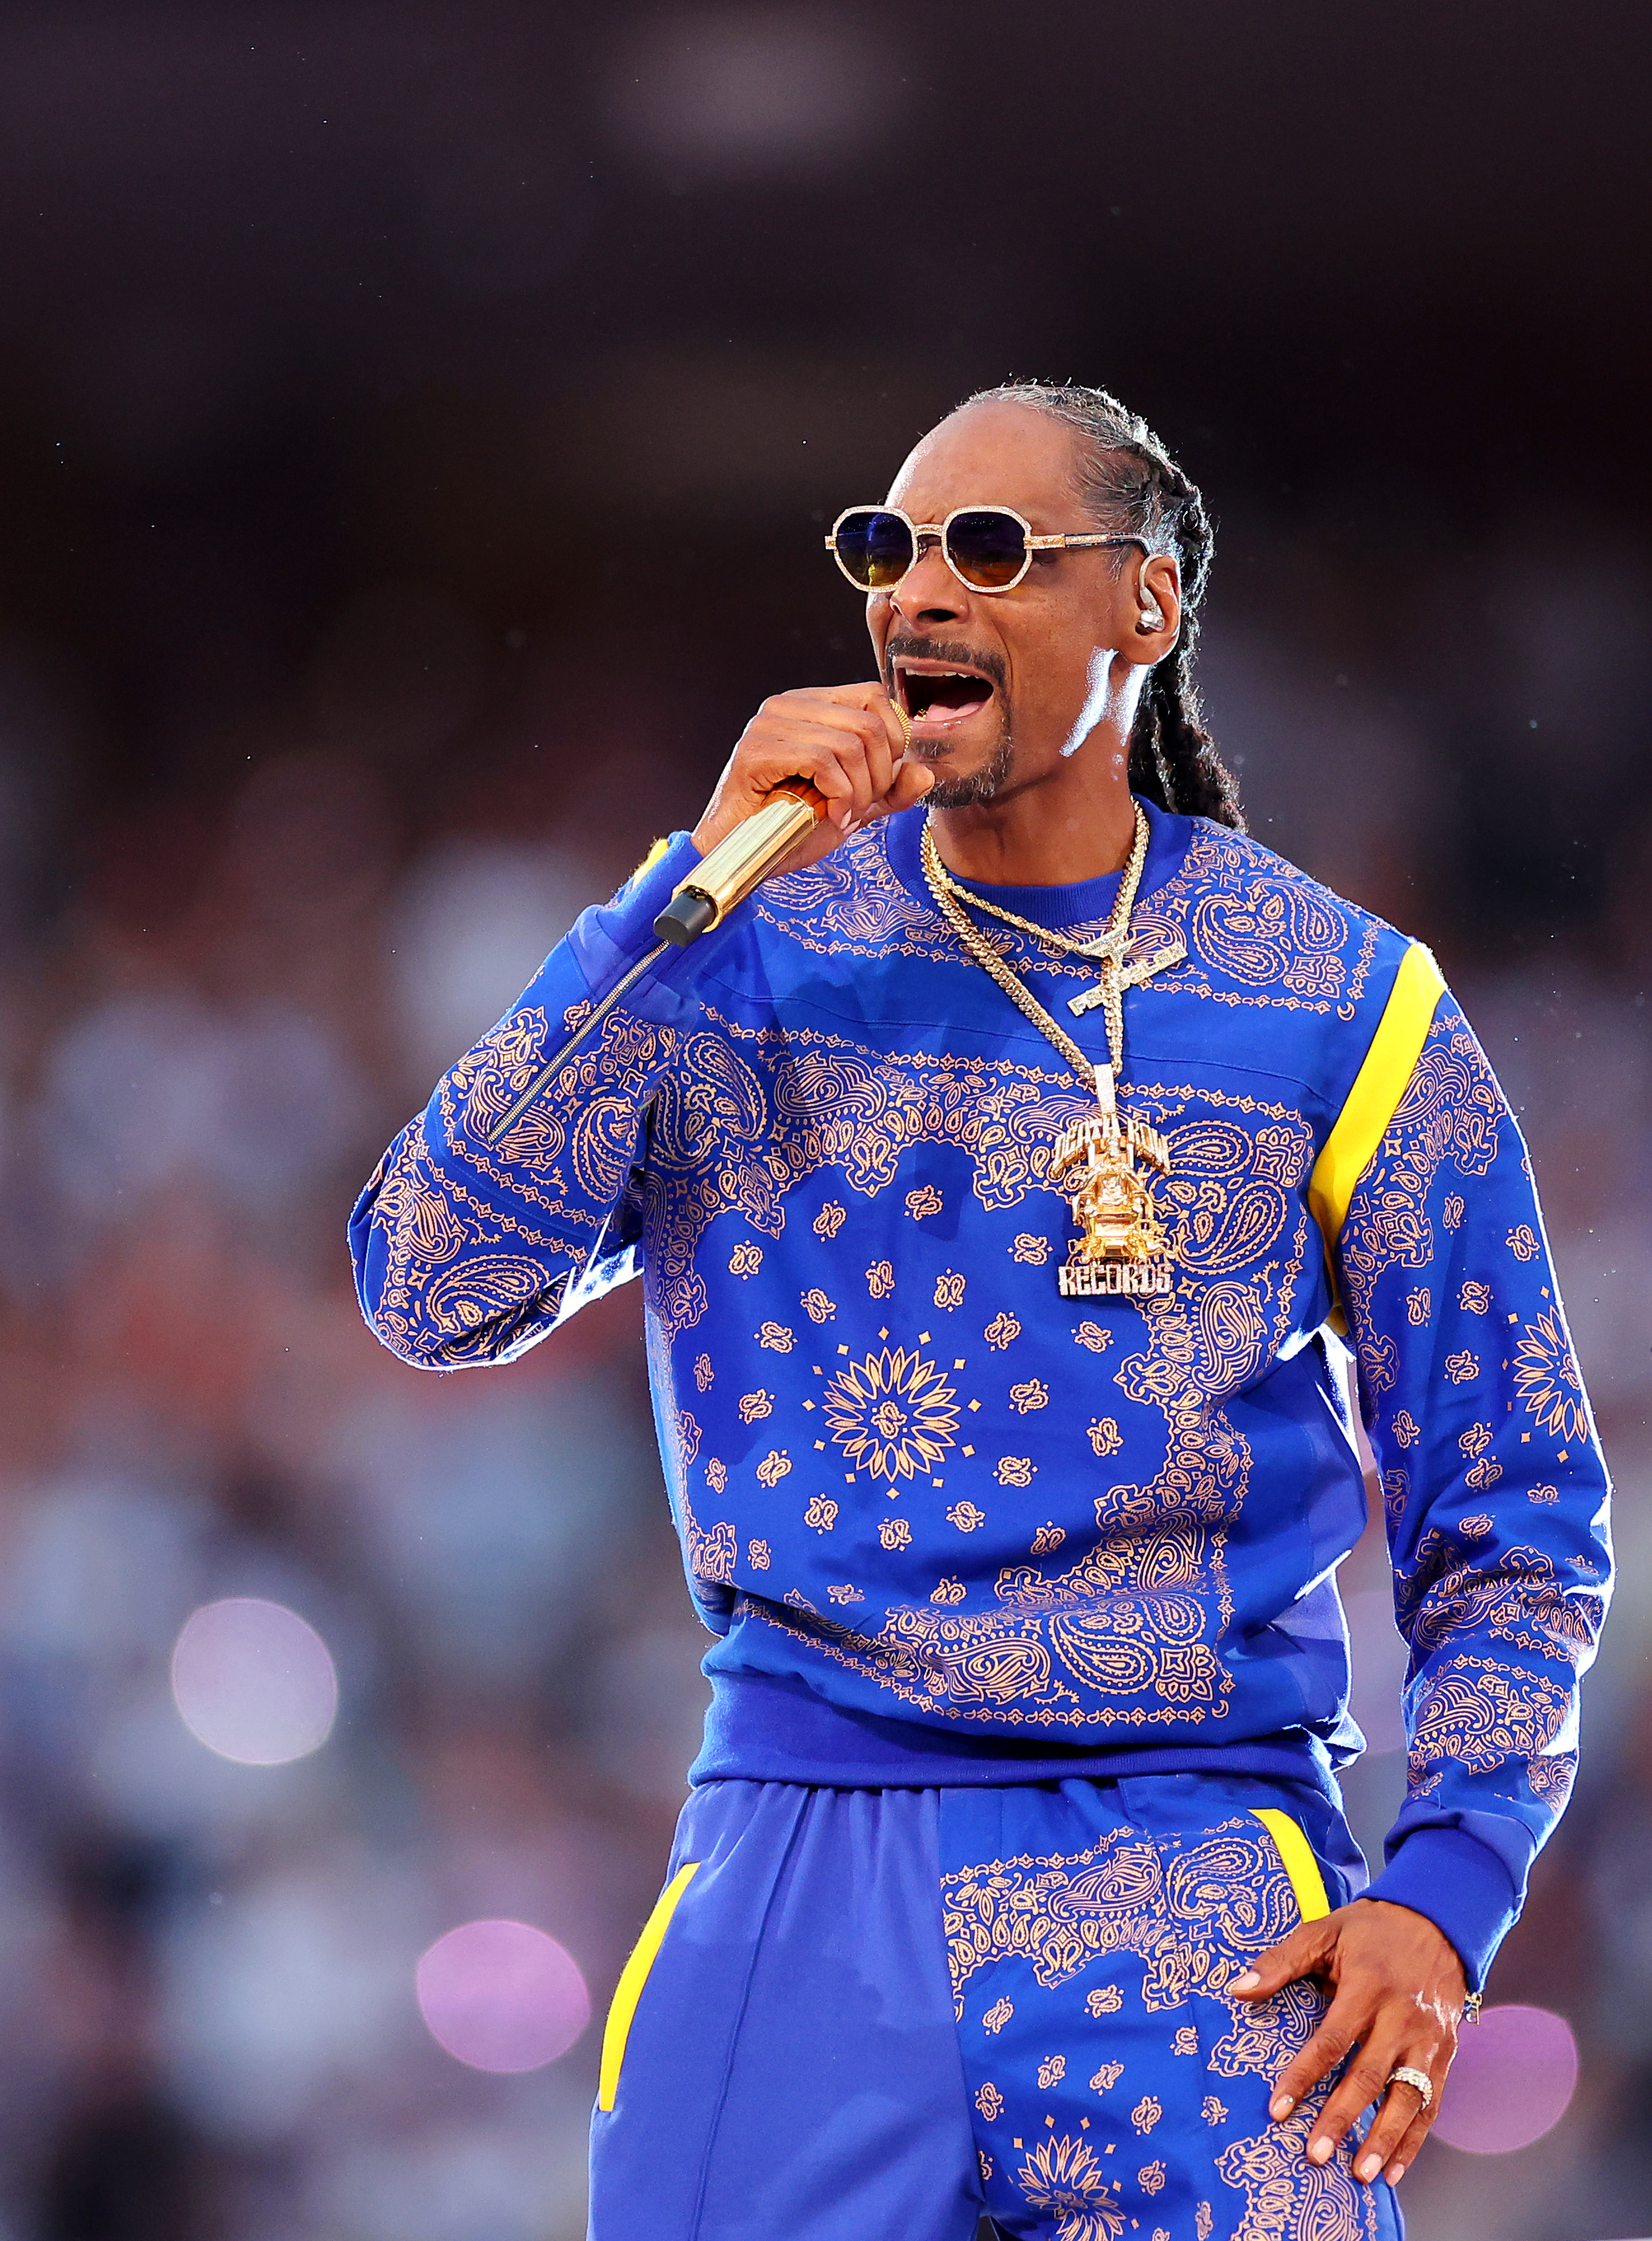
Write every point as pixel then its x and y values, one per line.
pixel 1075 822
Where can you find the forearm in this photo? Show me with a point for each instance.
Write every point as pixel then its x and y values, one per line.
pixel 1494 1486
pixel 472 1239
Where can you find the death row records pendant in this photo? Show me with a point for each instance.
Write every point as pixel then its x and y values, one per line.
pixel 1102 1161
pixel 1113 1280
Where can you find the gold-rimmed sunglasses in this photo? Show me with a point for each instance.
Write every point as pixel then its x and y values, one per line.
pixel 988 548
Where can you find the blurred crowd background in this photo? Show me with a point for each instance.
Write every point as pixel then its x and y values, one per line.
pixel 416 427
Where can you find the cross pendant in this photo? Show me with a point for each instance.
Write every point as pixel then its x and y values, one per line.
pixel 1132 977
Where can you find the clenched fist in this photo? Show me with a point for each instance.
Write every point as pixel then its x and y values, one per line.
pixel 845 742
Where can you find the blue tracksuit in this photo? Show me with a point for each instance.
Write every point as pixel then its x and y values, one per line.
pixel 958 1533
pixel 880 2013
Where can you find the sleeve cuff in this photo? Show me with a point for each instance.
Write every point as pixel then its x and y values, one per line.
pixel 628 921
pixel 607 942
pixel 1461 1886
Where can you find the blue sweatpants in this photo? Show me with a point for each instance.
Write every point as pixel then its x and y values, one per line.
pixel 862 2014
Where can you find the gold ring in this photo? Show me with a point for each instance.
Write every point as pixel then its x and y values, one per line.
pixel 1418 2081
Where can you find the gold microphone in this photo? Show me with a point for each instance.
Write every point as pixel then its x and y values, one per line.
pixel 702 901
pixel 741 861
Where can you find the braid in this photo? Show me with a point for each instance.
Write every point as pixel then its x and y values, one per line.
pixel 1128 480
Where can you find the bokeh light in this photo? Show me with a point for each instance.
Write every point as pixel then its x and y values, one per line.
pixel 1513 2081
pixel 254 1682
pixel 502 1995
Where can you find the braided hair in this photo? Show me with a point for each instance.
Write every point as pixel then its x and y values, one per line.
pixel 1127 480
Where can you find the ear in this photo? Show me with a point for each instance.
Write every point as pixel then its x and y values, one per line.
pixel 1157 591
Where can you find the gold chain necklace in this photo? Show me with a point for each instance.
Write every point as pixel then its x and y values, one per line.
pixel 1098 1159
pixel 1111 943
pixel 1107 950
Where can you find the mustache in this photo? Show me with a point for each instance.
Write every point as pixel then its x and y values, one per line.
pixel 943 649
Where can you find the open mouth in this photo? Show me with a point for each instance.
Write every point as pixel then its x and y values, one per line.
pixel 943 696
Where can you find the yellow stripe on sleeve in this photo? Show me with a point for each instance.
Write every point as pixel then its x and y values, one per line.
pixel 632 1977
pixel 1300 1865
pixel 656 850
pixel 1378 1088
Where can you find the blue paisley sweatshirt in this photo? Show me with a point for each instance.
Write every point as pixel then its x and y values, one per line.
pixel 949 1527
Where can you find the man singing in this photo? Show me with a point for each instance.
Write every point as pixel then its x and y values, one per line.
pixel 1004 1179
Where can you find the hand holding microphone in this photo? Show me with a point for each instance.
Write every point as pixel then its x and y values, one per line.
pixel 811 767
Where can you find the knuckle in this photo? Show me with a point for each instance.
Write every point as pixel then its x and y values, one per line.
pixel 1360 2084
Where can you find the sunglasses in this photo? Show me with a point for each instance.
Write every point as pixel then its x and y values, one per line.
pixel 988 548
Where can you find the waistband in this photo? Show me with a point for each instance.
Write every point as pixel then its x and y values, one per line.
pixel 768 1728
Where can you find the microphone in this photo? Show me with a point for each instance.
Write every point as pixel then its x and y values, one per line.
pixel 741 861
pixel 738 864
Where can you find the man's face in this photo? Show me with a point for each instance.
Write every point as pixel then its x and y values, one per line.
pixel 1000 685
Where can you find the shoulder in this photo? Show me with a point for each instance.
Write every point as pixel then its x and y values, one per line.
pixel 1220 861
pixel 854 902
pixel 1259 930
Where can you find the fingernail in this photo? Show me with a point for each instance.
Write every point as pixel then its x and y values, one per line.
pixel 1368 2167
pixel 1395 2173
pixel 1281 2106
pixel 1319 2151
pixel 1247 1982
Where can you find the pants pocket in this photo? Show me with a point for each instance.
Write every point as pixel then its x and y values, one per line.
pixel 1296 1855
pixel 632 1977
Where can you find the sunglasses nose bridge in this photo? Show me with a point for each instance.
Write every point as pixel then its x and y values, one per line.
pixel 931 580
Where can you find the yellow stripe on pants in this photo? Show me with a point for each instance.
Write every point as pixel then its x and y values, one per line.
pixel 1300 1865
pixel 632 1977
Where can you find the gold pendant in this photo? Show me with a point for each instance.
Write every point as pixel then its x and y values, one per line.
pixel 1098 1161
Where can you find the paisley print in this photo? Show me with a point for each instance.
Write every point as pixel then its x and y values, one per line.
pixel 1287 2199
pixel 823 1139
pixel 1273 930
pixel 1499 1624
pixel 1127 1947
pixel 1195 1910
pixel 1482 1714
pixel 852 901
pixel 1223 1211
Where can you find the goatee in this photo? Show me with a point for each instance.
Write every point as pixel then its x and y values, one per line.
pixel 978 786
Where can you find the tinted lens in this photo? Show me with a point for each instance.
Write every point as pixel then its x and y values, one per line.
pixel 988 549
pixel 875 547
